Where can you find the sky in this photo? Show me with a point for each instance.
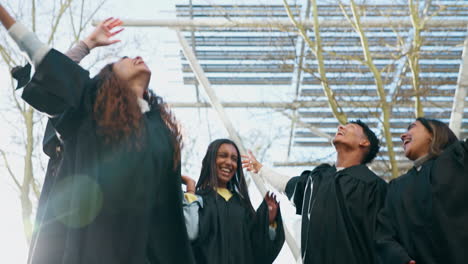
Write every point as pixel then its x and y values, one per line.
pixel 159 48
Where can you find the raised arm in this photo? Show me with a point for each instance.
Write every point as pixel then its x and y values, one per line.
pixel 277 180
pixel 267 230
pixel 101 36
pixel 26 40
pixel 6 19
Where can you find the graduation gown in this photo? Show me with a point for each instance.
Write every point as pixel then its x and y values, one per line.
pixel 105 204
pixel 425 217
pixel 339 211
pixel 229 233
pixel 53 149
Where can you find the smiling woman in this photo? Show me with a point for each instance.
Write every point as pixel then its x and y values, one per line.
pixel 425 216
pixel 220 219
pixel 226 164
pixel 118 171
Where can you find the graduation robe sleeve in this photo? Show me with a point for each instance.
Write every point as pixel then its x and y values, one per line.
pixel 169 241
pixel 449 176
pixel 388 248
pixel 58 91
pixel 265 249
pixel 296 186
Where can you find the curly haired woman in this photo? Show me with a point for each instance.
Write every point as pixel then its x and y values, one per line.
pixel 115 197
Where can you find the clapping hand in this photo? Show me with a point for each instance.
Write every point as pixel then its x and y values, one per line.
pixel 273 206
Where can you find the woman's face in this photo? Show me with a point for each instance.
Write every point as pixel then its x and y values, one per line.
pixel 133 71
pixel 416 141
pixel 226 164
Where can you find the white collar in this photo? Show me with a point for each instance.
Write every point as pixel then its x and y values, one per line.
pixel 143 104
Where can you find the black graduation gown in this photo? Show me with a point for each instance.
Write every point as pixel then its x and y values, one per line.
pixel 230 234
pixel 339 217
pixel 425 217
pixel 107 204
pixel 52 148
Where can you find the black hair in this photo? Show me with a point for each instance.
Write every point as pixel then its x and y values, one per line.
pixel 208 180
pixel 373 140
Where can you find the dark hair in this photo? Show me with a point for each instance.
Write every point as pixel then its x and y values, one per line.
pixel 157 103
pixel 373 140
pixel 115 108
pixel 118 116
pixel 208 180
pixel 442 135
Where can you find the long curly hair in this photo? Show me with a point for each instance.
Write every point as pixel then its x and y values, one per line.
pixel 208 180
pixel 115 109
pixel 157 104
pixel 118 115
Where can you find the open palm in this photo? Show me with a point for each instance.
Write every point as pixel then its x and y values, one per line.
pixel 102 34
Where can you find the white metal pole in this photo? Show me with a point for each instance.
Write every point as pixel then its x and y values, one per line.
pixel 181 23
pixel 215 102
pixel 456 117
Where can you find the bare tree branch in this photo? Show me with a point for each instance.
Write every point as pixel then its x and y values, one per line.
pixel 316 48
pixel 380 88
pixel 33 15
pixel 10 172
pixel 63 9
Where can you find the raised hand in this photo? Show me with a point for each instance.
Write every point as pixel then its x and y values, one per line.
pixel 102 34
pixel 6 19
pixel 273 206
pixel 190 183
pixel 250 163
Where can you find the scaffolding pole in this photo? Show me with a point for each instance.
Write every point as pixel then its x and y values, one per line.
pixel 456 117
pixel 187 24
pixel 216 104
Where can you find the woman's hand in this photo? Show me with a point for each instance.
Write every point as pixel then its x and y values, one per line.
pixel 250 163
pixel 273 206
pixel 5 17
pixel 101 36
pixel 190 183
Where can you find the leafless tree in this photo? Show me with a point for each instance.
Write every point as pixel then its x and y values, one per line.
pixel 60 18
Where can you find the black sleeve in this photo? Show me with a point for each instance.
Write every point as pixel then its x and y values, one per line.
pixel 57 89
pixel 295 189
pixel 50 140
pixel 169 240
pixel 296 186
pixel 388 249
pixel 265 249
pixel 449 180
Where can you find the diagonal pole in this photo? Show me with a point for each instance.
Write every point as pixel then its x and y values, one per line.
pixel 216 104
pixel 458 107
